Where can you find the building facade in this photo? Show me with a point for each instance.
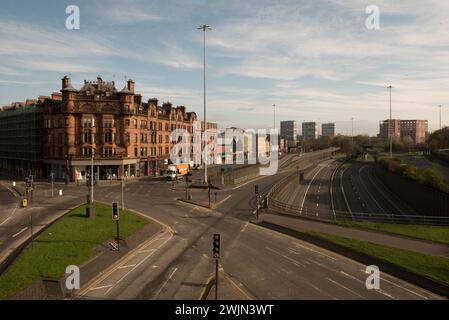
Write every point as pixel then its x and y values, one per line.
pixel 415 129
pixel 386 129
pixel 289 130
pixel 20 139
pixel 328 129
pixel 115 130
pixel 309 130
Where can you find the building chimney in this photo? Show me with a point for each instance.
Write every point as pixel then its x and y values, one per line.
pixel 65 82
pixel 131 85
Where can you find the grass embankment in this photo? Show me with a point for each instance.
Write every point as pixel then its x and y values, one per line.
pixel 429 266
pixel 70 241
pixel 432 233
pixel 429 176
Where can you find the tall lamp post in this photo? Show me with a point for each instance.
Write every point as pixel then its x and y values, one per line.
pixel 352 130
pixel 92 163
pixel 389 127
pixel 440 116
pixel 204 28
pixel 274 116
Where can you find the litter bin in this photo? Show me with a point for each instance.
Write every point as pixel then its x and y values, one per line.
pixel 24 203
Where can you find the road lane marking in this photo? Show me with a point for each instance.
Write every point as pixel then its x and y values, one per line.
pixel 220 202
pixel 346 288
pixel 293 261
pixel 101 287
pixel 377 290
pixel 15 235
pixel 401 287
pixel 127 266
pixel 367 191
pixel 307 190
pixel 315 251
pixel 5 221
pixel 137 265
pixel 166 281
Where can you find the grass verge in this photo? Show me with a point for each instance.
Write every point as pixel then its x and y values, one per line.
pixel 432 233
pixel 428 266
pixel 70 241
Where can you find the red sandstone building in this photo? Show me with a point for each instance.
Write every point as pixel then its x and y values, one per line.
pixel 129 137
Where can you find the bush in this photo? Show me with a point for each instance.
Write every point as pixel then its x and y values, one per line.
pixel 429 177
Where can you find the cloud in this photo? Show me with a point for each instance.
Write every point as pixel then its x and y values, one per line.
pixel 126 14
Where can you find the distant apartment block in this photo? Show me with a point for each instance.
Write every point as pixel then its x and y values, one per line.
pixel 289 130
pixel 415 129
pixel 385 128
pixel 328 129
pixel 309 130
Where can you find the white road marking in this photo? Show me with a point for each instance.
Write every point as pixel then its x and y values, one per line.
pixel 220 202
pixel 102 287
pixel 4 221
pixel 399 286
pixel 127 266
pixel 166 281
pixel 358 280
pixel 137 265
pixel 346 288
pixel 315 251
pixel 308 187
pixel 15 235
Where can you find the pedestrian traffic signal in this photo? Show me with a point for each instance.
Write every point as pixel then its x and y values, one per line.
pixel 216 246
pixel 256 188
pixel 115 211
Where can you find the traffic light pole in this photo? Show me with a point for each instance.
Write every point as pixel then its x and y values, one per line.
pixel 216 279
pixel 118 234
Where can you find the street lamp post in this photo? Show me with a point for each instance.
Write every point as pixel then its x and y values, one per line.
pixel 440 116
pixel 352 130
pixel 389 127
pixel 92 137
pixel 204 28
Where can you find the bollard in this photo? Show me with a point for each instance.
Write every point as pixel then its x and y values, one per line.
pixel 60 192
pixel 13 183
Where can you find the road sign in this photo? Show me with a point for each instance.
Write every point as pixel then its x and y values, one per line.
pixel 216 246
pixel 115 211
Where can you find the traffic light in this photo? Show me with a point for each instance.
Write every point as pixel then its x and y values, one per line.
pixel 256 188
pixel 29 182
pixel 216 246
pixel 115 211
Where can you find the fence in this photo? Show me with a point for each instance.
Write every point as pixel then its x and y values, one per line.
pixel 314 213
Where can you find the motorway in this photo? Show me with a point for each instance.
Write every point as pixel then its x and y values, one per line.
pixel 367 194
pixel 260 263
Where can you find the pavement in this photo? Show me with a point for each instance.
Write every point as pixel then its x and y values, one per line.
pixel 400 242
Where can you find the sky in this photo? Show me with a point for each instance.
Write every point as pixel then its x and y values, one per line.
pixel 315 60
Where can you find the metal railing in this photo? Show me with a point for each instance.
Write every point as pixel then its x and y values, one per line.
pixel 316 213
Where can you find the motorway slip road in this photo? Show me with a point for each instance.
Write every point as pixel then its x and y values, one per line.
pixel 401 242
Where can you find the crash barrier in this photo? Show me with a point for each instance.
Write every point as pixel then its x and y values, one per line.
pixel 320 214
